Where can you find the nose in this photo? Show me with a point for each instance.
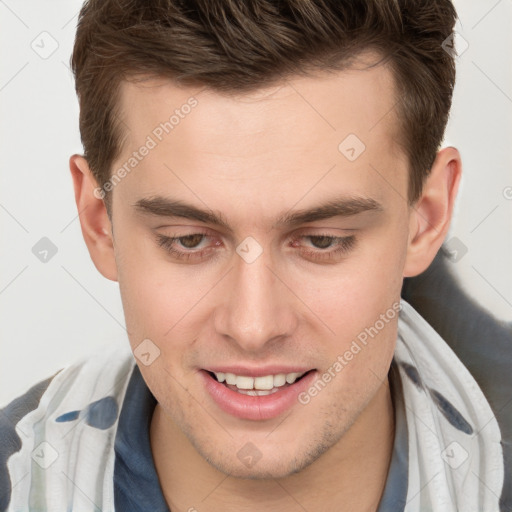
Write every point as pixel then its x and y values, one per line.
pixel 258 307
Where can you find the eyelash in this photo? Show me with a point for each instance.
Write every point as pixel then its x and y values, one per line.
pixel 344 245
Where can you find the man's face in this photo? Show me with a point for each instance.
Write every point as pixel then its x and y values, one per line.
pixel 258 297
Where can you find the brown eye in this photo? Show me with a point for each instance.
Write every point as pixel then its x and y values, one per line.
pixel 188 248
pixel 325 248
pixel 321 242
pixel 191 241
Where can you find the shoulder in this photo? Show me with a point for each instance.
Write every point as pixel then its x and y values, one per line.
pixel 480 340
pixel 91 389
pixel 10 416
pixel 77 384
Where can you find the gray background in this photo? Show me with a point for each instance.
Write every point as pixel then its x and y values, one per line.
pixel 53 312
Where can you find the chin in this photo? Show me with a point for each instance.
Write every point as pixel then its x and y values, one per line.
pixel 262 470
pixel 270 463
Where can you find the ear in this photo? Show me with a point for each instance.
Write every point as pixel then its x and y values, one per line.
pixel 431 214
pixel 94 219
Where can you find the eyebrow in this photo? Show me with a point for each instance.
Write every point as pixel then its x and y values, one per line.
pixel 337 207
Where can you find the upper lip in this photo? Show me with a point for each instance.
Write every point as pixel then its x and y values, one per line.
pixel 259 371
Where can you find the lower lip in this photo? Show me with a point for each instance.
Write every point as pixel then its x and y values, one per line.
pixel 255 408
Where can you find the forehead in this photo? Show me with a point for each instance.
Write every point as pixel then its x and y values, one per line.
pixel 288 133
pixel 360 96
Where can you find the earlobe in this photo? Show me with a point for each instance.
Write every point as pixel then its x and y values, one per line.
pixel 432 212
pixel 94 220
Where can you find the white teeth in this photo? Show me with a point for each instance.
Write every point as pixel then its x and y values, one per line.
pixel 230 378
pixel 279 380
pixel 263 384
pixel 292 377
pixel 257 392
pixel 244 382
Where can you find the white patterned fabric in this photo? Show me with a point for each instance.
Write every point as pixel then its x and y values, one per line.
pixel 455 455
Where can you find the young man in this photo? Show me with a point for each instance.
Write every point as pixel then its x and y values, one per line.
pixel 259 177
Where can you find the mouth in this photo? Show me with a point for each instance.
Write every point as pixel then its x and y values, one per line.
pixel 256 398
pixel 258 386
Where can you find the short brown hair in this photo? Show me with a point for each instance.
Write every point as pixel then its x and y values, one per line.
pixel 242 45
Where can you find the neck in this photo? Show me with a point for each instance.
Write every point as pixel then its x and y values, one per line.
pixel 350 476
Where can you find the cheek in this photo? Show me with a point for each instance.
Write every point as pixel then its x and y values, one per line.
pixel 155 293
pixel 360 305
pixel 354 297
